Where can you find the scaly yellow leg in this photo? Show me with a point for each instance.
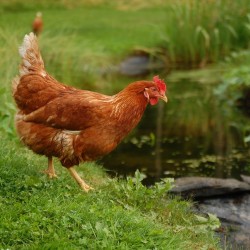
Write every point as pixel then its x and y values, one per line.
pixel 50 171
pixel 79 180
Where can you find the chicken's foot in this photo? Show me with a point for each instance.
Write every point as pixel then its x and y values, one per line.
pixel 79 180
pixel 50 171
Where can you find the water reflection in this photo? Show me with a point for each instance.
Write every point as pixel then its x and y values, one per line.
pixel 193 135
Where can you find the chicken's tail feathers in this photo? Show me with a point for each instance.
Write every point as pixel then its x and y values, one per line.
pixel 32 61
pixel 15 82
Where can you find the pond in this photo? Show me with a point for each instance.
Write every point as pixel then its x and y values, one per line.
pixel 192 135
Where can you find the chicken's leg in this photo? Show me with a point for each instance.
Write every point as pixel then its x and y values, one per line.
pixel 50 171
pixel 79 180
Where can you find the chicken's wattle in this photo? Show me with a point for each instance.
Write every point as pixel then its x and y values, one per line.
pixel 153 100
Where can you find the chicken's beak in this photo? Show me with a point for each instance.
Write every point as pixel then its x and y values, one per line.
pixel 164 98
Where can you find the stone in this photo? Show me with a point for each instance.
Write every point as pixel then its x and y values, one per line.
pixel 245 178
pixel 206 186
pixel 141 63
pixel 234 214
pixel 135 65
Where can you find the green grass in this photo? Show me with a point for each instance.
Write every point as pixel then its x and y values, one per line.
pixel 39 213
pixel 18 5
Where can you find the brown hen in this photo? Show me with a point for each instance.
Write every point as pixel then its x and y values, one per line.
pixel 37 25
pixel 74 125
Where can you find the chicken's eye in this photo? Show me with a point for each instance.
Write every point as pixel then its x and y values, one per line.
pixel 153 89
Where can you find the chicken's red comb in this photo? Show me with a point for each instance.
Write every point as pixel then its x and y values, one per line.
pixel 160 84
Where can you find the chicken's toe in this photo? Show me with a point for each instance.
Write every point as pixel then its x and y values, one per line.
pixel 50 174
pixel 79 180
pixel 86 187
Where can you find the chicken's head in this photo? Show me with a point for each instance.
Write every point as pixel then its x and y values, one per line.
pixel 156 92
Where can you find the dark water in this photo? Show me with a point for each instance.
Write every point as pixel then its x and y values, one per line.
pixel 193 135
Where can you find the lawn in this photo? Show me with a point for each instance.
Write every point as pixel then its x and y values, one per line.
pixel 39 213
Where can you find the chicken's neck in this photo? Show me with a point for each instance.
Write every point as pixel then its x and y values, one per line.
pixel 127 110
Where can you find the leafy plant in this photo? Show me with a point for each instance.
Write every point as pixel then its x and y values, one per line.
pixel 235 82
pixel 234 89
pixel 143 140
pixel 137 195
pixel 211 222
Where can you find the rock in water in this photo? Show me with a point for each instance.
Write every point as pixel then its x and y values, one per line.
pixel 222 197
pixel 135 65
pixel 206 186
pixel 142 63
pixel 234 213
pixel 245 178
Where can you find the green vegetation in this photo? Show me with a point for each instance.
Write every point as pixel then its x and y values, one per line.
pixel 82 43
pixel 199 32
pixel 233 92
pixel 237 79
pixel 38 213
pixel 19 5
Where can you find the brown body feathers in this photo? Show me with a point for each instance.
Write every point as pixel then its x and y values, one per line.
pixel 71 124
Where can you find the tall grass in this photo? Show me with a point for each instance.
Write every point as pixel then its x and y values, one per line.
pixel 8 69
pixel 198 32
